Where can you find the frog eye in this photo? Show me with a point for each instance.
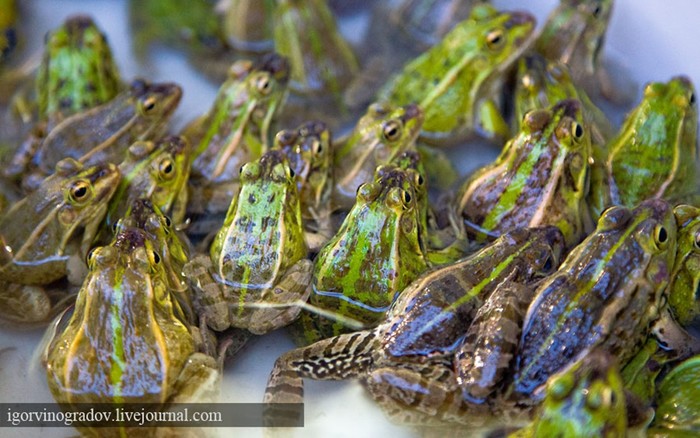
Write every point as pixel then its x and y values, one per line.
pixel 115 227
pixel 594 400
pixel 548 265
pixel 166 168
pixel 495 39
pixel 406 198
pixel 155 257
pixel 392 130
pixel 91 255
pixel 697 240
pixel 292 173
pixel 79 192
pixel 419 180
pixel 317 147
pixel 596 12
pixel 263 84
pixel 577 131
pixel 660 236
pixel 285 137
pixel 149 104
pixel 168 222
pixel 692 99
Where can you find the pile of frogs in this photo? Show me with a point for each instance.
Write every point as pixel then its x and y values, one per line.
pixel 557 283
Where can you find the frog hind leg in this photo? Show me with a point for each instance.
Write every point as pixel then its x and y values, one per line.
pixel 426 394
pixel 207 298
pixel 337 358
pixel 291 290
pixel 491 122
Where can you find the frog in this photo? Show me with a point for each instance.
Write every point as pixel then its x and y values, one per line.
pixel 622 268
pixel 683 298
pixel 455 81
pixel 375 254
pixel 384 132
pixel 77 71
pixel 234 131
pixel 422 331
pixel 677 409
pixel 8 28
pixel 47 234
pixel 584 400
pixel 541 177
pixel 140 112
pixel 309 150
pixel 123 342
pixel 247 24
pixel 255 284
pixel 661 134
pixel 574 34
pixel 322 63
pixel 154 170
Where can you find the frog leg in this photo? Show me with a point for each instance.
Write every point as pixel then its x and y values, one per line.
pixel 208 297
pixel 423 394
pixel 21 304
pixel 23 155
pixel 337 358
pixel 673 337
pixel 291 289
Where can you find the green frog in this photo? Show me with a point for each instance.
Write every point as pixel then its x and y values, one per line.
pixel 455 81
pixel 77 71
pixel 622 268
pixel 683 297
pixel 124 342
pixel 678 406
pixel 383 133
pixel 46 235
pixel 585 400
pixel 574 34
pixel 235 130
pixel 309 151
pixel 9 13
pixel 422 331
pixel 247 24
pixel 255 283
pixel 154 170
pixel 140 112
pixel 322 63
pixel 540 178
pixel 375 254
pixel 654 155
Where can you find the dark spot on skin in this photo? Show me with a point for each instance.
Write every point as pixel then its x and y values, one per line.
pixel 271 198
pixel 251 198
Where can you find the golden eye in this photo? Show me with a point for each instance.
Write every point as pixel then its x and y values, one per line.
pixel 149 104
pixel 577 131
pixel 692 99
pixel 91 255
pixel 495 39
pixel 292 173
pixel 317 147
pixel 419 180
pixel 156 257
pixel 166 168
pixel 660 236
pixel 79 191
pixel 285 137
pixel 406 198
pixel 263 84
pixel 392 130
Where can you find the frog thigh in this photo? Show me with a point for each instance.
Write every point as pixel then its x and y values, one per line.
pixel 208 297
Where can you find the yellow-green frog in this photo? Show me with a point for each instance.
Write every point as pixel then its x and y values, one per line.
pixel 585 400
pixel 684 290
pixel 257 273
pixel 376 253
pixel 46 235
pixel 383 133
pixel 455 82
pixel 607 294
pixel 540 178
pixel 153 170
pixel 101 134
pixel 678 405
pixel 124 342
pixel 235 130
pixel 309 151
pixel 655 153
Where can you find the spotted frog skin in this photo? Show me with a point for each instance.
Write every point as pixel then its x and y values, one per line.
pixel 540 178
pixel 255 284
